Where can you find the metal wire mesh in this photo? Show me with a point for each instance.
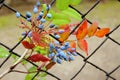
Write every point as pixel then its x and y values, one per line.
pixel 86 60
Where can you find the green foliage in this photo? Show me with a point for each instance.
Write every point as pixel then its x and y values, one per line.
pixel 44 8
pixel 62 4
pixel 41 50
pixel 3 53
pixel 75 2
pixel 41 75
pixel 72 13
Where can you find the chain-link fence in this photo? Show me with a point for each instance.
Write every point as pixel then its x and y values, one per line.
pixel 85 59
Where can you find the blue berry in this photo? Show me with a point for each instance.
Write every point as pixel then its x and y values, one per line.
pixel 54 59
pixel 66 43
pixel 59 50
pixel 38 3
pixel 51 25
pixel 48 7
pixel 60 57
pixel 74 54
pixel 23 33
pixel 49 15
pixel 40 26
pixel 66 59
pixel 17 14
pixel 51 45
pixel 28 14
pixel 61 31
pixel 41 13
pixel 62 47
pixel 73 49
pixel 71 58
pixel 57 43
pixel 59 61
pixel 30 34
pixel 68 53
pixel 43 20
pixel 29 19
pixel 35 10
pixel 57 36
pixel 39 17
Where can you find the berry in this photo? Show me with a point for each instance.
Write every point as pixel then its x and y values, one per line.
pixel 35 10
pixel 61 31
pixel 54 59
pixel 39 17
pixel 57 43
pixel 71 58
pixel 48 7
pixel 30 34
pixel 43 20
pixel 40 26
pixel 29 19
pixel 59 61
pixel 38 3
pixel 62 47
pixel 28 14
pixel 51 25
pixel 49 15
pixel 23 33
pixel 57 36
pixel 51 45
pixel 66 43
pixel 68 53
pixel 74 54
pixel 41 13
pixel 73 49
pixel 17 14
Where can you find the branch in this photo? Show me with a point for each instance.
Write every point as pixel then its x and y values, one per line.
pixel 14 65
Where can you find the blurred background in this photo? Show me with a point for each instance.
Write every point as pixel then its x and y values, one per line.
pixel 107 14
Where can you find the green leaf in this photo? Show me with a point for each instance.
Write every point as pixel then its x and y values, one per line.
pixel 62 4
pixel 30 76
pixel 41 50
pixel 75 2
pixel 60 21
pixel 3 53
pixel 44 8
pixel 72 13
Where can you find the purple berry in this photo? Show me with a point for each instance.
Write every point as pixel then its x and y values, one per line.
pixel 24 33
pixel 61 31
pixel 29 19
pixel 41 14
pixel 71 58
pixel 51 45
pixel 48 7
pixel 62 47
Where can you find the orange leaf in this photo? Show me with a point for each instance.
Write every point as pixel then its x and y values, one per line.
pixel 63 26
pixel 28 45
pixel 50 65
pixel 82 31
pixel 83 45
pixel 92 29
pixel 72 45
pixel 64 36
pixel 102 32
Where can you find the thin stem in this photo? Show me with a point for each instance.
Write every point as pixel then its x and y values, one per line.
pixel 14 65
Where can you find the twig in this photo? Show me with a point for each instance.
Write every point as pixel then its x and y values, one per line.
pixel 14 65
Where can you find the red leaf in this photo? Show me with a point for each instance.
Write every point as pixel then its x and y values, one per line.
pixel 50 65
pixel 28 45
pixel 92 29
pixel 82 31
pixel 83 45
pixel 38 58
pixel 102 32
pixel 36 37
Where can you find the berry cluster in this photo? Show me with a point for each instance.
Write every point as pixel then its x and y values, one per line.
pixel 60 52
